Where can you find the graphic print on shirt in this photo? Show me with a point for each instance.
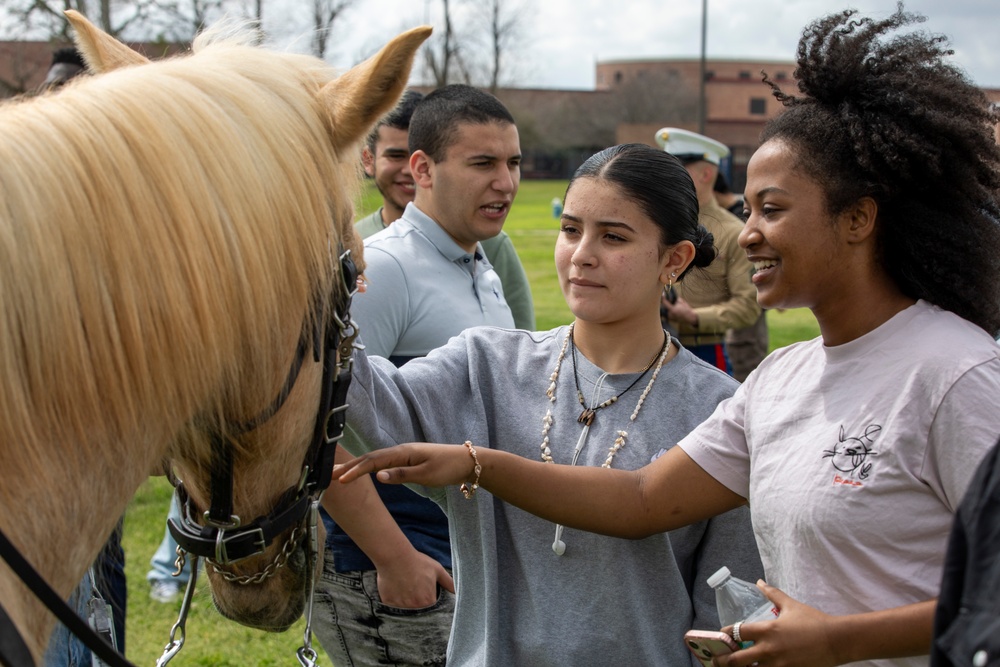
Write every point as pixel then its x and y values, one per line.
pixel 851 455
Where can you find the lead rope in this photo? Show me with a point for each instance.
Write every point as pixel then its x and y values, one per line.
pixel 175 644
pixel 306 654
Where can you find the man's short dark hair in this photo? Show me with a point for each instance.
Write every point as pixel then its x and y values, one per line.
pixel 398 118
pixel 434 123
pixel 68 55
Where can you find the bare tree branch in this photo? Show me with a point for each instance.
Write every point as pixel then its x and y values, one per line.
pixel 324 15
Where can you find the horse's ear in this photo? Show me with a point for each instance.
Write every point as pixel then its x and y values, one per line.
pixel 360 97
pixel 101 51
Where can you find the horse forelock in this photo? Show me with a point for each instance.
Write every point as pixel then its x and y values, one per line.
pixel 160 226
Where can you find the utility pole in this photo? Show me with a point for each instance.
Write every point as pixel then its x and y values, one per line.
pixel 701 85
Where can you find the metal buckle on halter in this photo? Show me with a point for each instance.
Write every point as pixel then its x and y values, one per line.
pixel 222 538
pixel 221 541
pixel 326 426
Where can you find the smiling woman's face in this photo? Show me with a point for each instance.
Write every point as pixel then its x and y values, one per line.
pixel 796 247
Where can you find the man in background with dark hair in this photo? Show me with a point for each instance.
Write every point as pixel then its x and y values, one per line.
pixel 66 63
pixel 386 159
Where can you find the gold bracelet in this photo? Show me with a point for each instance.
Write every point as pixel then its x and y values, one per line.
pixel 466 490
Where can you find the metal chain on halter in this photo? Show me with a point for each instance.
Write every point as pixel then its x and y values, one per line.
pixel 179 561
pixel 287 549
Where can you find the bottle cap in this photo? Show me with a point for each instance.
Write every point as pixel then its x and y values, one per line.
pixel 721 575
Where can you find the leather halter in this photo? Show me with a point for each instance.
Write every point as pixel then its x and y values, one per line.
pixel 224 538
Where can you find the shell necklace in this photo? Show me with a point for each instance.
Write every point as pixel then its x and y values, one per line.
pixel 587 416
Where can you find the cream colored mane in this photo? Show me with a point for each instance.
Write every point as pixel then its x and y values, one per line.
pixel 166 230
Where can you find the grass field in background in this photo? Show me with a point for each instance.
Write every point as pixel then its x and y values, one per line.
pixel 213 641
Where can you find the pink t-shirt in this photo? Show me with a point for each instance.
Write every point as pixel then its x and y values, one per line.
pixel 855 457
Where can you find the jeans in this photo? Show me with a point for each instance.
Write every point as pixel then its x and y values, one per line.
pixel 357 630
pixel 162 563
pixel 66 649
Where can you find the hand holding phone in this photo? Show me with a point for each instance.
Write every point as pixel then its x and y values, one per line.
pixel 706 644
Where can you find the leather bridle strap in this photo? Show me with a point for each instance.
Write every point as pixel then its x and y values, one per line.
pixel 230 546
pixel 224 537
pixel 19 655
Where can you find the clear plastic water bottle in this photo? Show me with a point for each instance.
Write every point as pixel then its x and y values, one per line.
pixel 739 600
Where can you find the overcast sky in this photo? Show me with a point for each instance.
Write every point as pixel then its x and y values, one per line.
pixel 569 36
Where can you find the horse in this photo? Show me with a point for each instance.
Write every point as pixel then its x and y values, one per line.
pixel 169 236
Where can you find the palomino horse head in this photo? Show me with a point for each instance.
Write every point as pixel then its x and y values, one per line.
pixel 169 234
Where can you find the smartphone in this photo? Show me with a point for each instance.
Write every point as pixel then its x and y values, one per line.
pixel 706 644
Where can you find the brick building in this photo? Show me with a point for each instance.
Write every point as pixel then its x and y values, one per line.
pixel 737 102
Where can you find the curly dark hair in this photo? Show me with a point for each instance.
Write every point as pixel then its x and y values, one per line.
pixel 886 117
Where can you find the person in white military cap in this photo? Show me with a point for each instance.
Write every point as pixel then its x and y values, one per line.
pixel 721 296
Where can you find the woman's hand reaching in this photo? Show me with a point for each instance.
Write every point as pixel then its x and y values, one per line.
pixel 412 463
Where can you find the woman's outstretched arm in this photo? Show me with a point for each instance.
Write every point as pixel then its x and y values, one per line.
pixel 671 492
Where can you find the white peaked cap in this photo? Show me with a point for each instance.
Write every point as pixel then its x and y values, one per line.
pixel 689 146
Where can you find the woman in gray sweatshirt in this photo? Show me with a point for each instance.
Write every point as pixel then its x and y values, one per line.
pixel 607 390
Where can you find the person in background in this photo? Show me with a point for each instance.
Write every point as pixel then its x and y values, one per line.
pixel 722 297
pixel 66 64
pixel 166 581
pixel 873 201
pixel 745 347
pixel 386 159
pixel 386 596
pixel 605 392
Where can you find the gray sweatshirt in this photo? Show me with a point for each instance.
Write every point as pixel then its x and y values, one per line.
pixel 606 601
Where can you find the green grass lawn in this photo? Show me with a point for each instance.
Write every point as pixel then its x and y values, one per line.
pixel 213 641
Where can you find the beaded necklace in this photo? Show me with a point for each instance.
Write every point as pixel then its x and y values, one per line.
pixel 587 416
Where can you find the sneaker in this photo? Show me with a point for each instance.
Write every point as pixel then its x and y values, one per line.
pixel 164 591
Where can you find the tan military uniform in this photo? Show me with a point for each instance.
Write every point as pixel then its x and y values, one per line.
pixel 722 293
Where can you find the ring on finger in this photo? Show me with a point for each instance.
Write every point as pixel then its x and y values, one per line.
pixel 736 632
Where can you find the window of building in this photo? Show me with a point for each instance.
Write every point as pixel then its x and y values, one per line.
pixel 744 74
pixel 758 106
pixel 618 77
pixel 709 75
pixel 781 76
